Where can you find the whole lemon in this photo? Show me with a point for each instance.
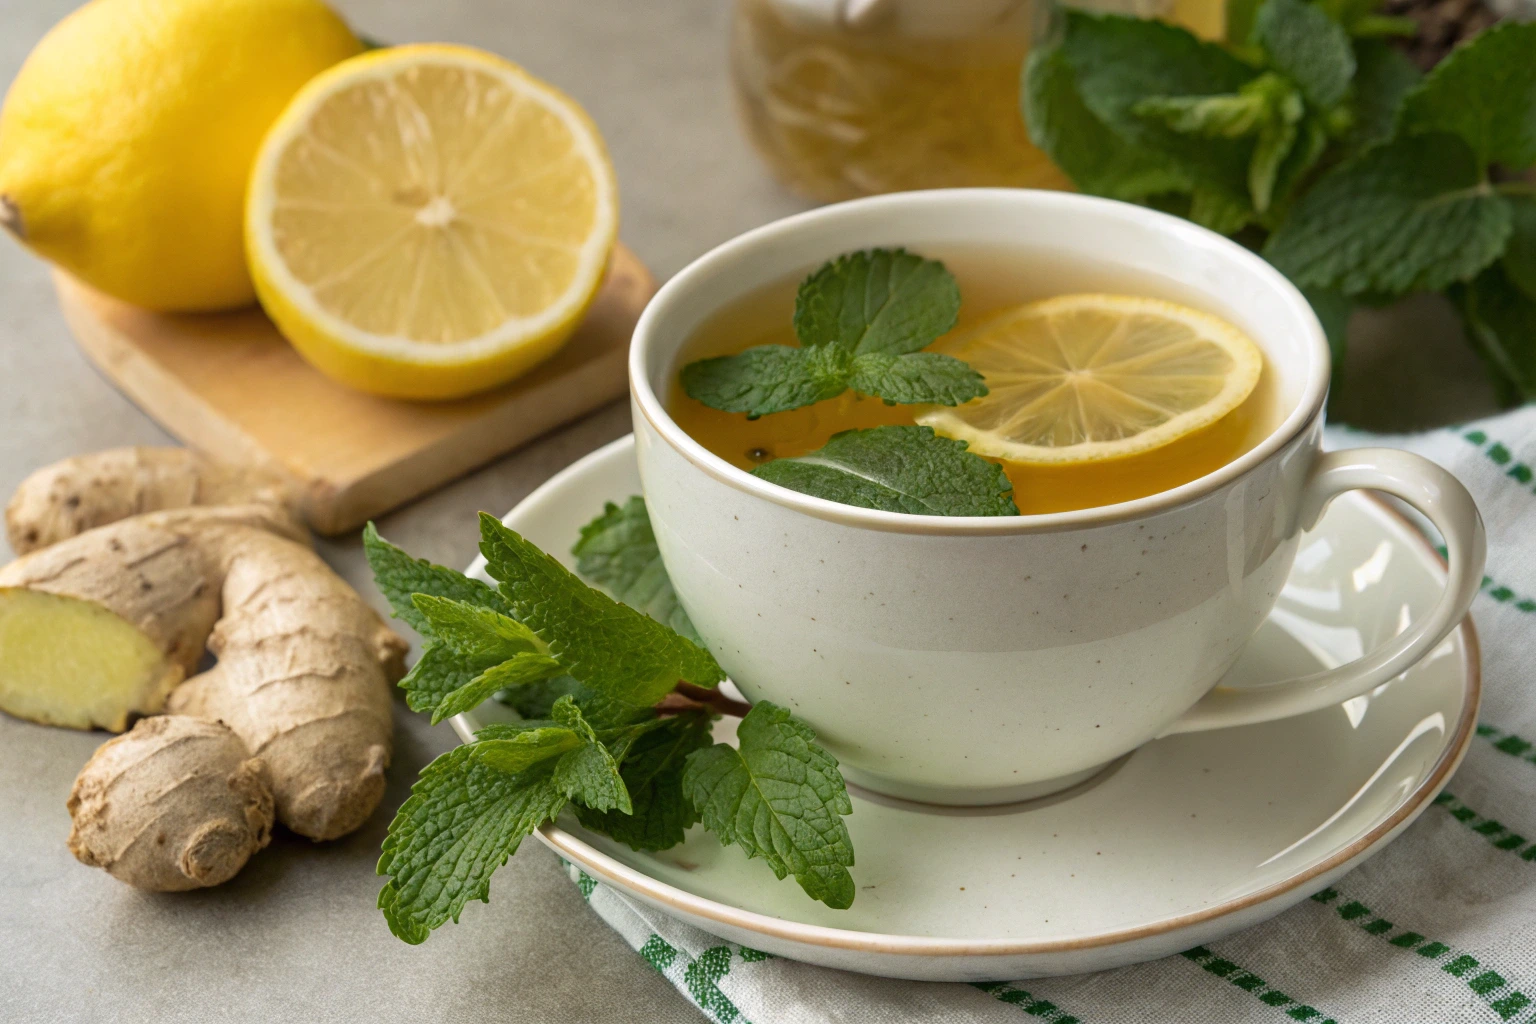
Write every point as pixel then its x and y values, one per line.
pixel 128 136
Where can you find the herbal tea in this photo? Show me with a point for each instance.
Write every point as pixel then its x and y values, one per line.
pixel 1025 421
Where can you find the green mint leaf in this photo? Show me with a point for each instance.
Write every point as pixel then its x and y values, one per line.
pixel 1485 92
pixel 439 671
pixel 461 822
pixel 517 750
pixel 1520 253
pixel 898 469
pixel 1274 145
pixel 1308 47
pixel 1500 320
pixel 915 378
pixel 1218 117
pixel 400 578
pixel 1094 157
pixel 480 634
pixel 617 551
pixel 1218 211
pixel 1310 145
pixel 1119 61
pixel 622 654
pixel 537 699
pixel 1383 77
pixel 653 774
pixel 768 378
pixel 1413 214
pixel 518 671
pixel 877 300
pixel 780 797
pixel 589 774
pixel 444 682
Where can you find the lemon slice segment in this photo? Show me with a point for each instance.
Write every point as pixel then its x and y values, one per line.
pixel 429 221
pixel 1082 378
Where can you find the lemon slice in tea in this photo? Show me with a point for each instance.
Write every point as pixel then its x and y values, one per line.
pixel 1082 378
pixel 429 221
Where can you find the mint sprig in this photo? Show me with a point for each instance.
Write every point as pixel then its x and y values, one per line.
pixel 1315 142
pixel 780 797
pixel 588 672
pixel 1409 215
pixel 618 552
pixel 861 320
pixel 622 654
pixel 898 469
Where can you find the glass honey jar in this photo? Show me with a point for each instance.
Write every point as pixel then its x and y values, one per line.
pixel 845 98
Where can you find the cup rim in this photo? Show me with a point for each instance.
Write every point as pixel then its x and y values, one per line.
pixel 739 249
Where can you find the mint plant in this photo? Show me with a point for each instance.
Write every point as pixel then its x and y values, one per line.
pixel 862 320
pixel 616 710
pixel 1309 138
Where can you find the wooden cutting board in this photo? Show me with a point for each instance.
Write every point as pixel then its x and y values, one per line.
pixel 228 384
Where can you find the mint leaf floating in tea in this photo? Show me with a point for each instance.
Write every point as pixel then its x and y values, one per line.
pixel 898 469
pixel 607 733
pixel 878 300
pixel 861 320
pixel 779 797
pixel 617 551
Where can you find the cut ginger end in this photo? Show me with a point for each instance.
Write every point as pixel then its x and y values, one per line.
pixel 74 663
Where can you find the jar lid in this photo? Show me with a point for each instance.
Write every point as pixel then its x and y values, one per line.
pixel 936 19
pixel 929 18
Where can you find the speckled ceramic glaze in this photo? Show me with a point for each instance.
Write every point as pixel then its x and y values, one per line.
pixel 1188 839
pixel 975 661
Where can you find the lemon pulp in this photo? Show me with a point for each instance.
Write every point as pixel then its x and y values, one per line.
pixel 430 221
pixel 1085 378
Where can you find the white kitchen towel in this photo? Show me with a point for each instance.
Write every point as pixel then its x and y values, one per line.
pixel 1440 927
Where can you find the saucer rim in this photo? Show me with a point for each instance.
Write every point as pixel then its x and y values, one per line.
pixel 606 868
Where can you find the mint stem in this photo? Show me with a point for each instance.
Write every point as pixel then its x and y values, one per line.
pixel 686 697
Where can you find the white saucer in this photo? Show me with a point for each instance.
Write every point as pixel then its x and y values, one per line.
pixel 1186 840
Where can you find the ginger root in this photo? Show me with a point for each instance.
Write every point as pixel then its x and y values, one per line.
pixel 106 623
pixel 175 804
pixel 69 497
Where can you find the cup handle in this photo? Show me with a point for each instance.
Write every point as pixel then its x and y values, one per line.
pixel 1446 503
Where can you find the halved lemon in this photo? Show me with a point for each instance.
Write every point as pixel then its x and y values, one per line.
pixel 429 221
pixel 1081 378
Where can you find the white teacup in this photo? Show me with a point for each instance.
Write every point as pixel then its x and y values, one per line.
pixel 986 660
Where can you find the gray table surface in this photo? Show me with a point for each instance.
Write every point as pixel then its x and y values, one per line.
pixel 296 935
